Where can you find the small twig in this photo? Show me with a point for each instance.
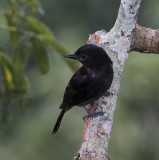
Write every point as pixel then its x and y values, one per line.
pixel 14 29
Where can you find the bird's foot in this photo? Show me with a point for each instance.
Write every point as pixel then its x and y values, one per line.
pixel 93 115
pixel 86 109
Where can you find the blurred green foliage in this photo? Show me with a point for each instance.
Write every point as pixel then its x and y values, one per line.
pixel 135 130
pixel 28 36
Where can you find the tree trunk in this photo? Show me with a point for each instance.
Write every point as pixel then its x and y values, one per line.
pixel 124 37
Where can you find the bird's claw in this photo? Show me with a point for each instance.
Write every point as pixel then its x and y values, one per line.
pixel 93 115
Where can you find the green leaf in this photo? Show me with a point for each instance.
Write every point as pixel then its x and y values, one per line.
pixel 58 47
pixel 19 62
pixel 20 82
pixel 12 5
pixel 22 52
pixel 52 43
pixel 6 64
pixel 8 77
pixel 37 26
pixel 32 5
pixel 41 56
pixel 5 58
pixel 15 78
pixel 13 35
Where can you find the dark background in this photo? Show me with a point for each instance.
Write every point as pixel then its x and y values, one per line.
pixel 135 133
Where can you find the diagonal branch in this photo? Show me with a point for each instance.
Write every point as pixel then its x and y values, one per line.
pixel 145 40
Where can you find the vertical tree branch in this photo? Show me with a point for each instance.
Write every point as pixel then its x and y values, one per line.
pixel 117 44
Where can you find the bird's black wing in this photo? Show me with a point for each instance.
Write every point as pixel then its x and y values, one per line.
pixel 79 90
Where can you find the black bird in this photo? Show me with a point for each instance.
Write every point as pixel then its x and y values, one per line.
pixel 89 83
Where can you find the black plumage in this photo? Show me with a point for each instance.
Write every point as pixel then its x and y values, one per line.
pixel 90 82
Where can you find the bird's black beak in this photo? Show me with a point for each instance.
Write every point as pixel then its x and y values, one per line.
pixel 71 56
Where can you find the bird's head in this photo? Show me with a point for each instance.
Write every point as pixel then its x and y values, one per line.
pixel 91 56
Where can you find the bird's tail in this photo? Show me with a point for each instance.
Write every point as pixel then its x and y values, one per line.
pixel 58 122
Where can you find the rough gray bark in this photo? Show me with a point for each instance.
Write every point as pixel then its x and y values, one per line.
pixel 121 39
pixel 145 40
